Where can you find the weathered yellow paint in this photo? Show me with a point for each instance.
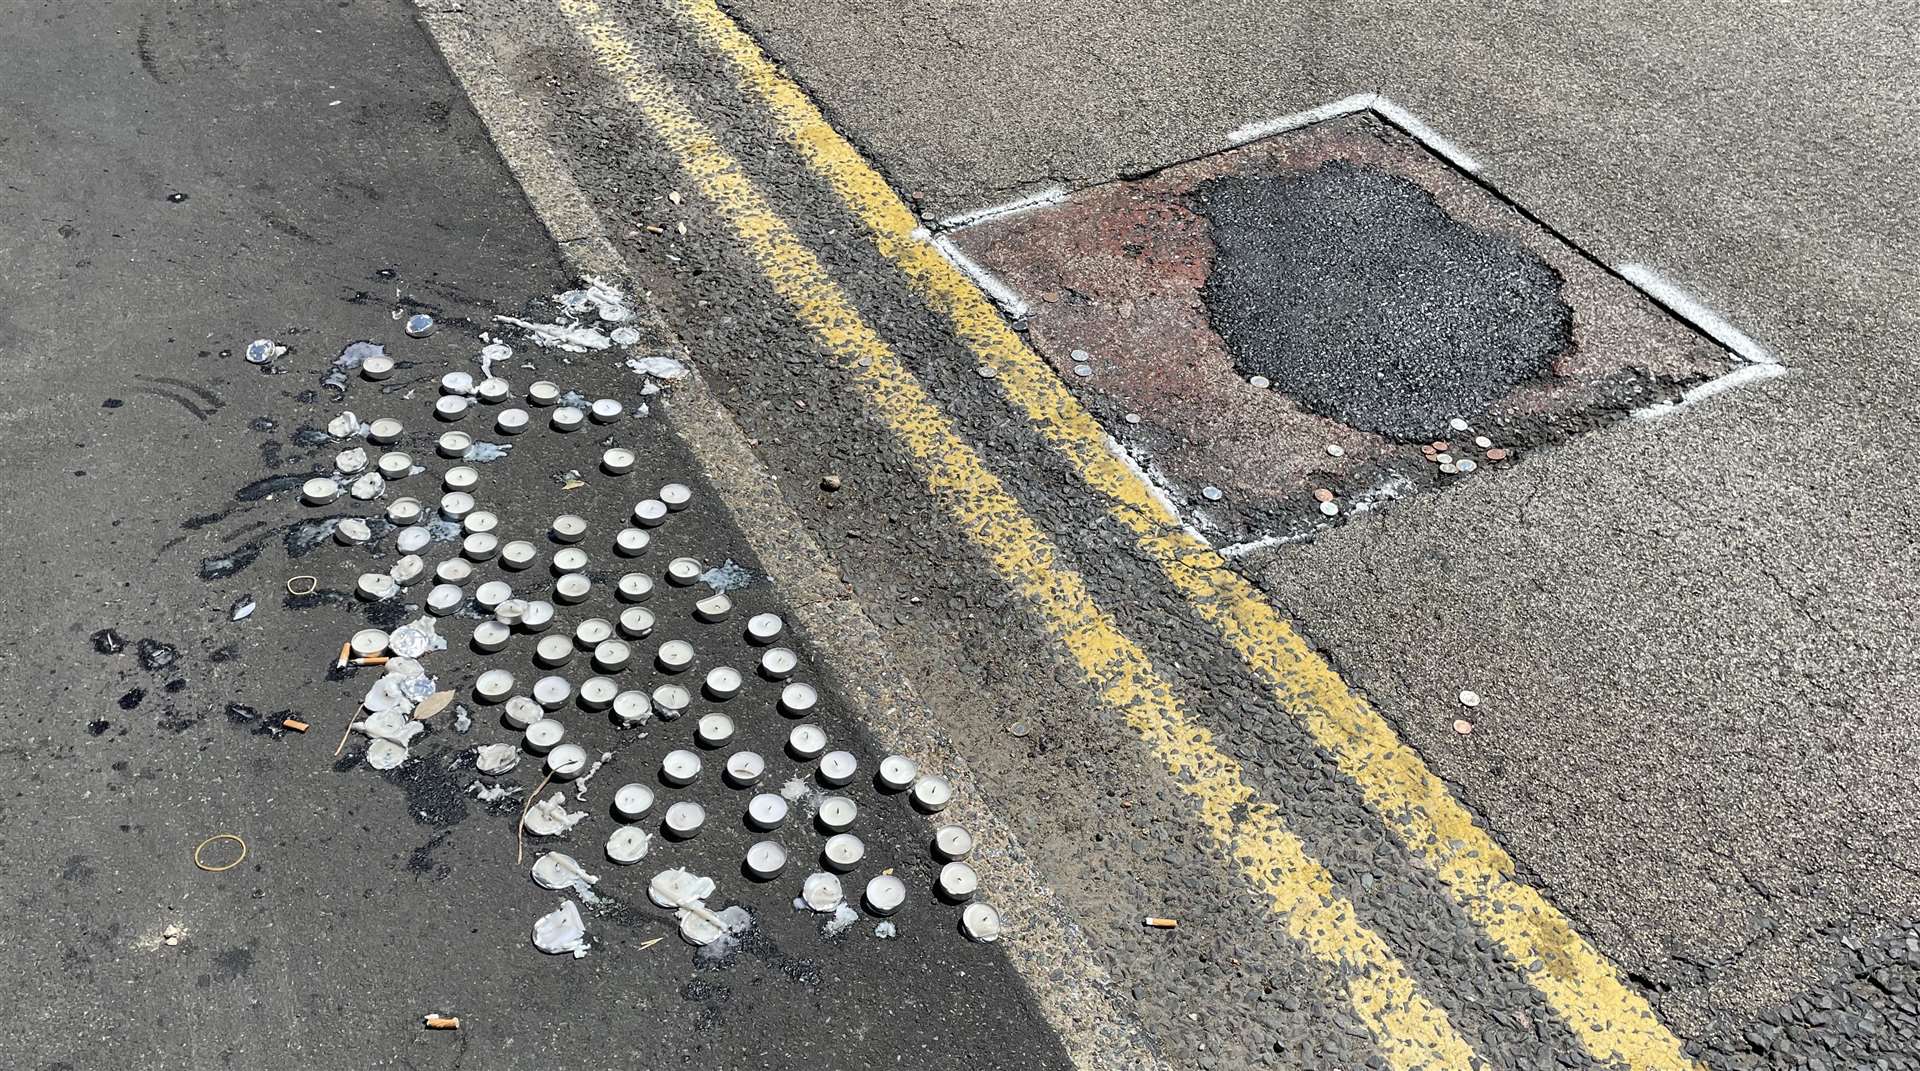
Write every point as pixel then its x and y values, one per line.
pixel 1615 1023
pixel 1410 1031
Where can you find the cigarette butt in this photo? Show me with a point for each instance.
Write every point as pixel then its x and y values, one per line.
pixel 370 660
pixel 441 1022
pixel 346 650
pixel 1159 923
pixel 296 725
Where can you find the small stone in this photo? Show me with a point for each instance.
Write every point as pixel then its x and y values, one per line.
pixel 830 482
pixel 1469 699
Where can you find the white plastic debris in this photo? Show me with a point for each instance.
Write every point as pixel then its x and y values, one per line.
pixel 550 817
pixel 600 296
pixel 244 608
pixel 350 462
pixel 491 352
pixel 569 337
pixel 624 336
pixel 886 930
pixel 486 793
pixel 390 732
pixel 679 887
pixel 409 641
pixel 561 931
pixel 843 919
pixel 263 351
pixel 659 367
pixel 495 758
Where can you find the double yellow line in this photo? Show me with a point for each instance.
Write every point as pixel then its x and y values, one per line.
pixel 1613 1023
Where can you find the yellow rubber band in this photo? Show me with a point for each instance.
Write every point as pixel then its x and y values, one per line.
pixel 202 846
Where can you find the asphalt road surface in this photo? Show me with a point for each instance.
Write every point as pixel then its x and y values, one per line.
pixel 1670 828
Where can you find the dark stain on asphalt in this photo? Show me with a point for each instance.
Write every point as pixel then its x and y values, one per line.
pixel 178 684
pixel 156 656
pixel 435 796
pixel 420 860
pixel 98 727
pixel 108 641
pixel 233 962
pixel 195 523
pixel 222 566
pixel 132 698
pixel 272 485
pixel 1355 293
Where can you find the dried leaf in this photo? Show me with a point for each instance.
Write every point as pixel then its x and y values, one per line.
pixel 432 705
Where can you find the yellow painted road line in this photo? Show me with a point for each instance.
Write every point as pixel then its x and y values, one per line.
pixel 1612 1021
pixel 1411 1032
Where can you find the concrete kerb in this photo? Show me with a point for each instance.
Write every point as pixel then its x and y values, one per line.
pixel 1049 950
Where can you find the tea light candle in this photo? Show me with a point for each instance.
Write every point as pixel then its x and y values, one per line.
pixel 714 730
pixel 635 587
pixel 568 528
pixel 456 383
pixel 684 820
pixel 552 692
pixel 885 894
pixel 636 622
pixel 715 607
pixel 806 742
pixel 765 860
pixel 492 593
pixel 384 430
pixel 376 586
pixel 798 700
pixel 352 531
pixel 403 510
pixel 319 491
pixel 453 571
pixel 684 571
pixel 628 845
pixel 981 922
pixel 675 655
pixel 764 628
pixel 843 852
pixel 670 701
pixel 511 421
pixel 567 761
pixel 778 663
pixel 493 685
pixel 451 407
pixel 766 810
pixel 649 512
pixel 957 882
pixel 932 793
pixel 680 767
pixel 597 693
pixel 368 642
pixel 538 616
pixel 611 656
pixel 542 735
pixel 676 496
pixel 897 773
pixel 522 711
pixel 631 801
pixel 493 390
pixel 836 813
pixel 606 410
pixel 455 505
pixel 376 368
pixel 543 392
pixel 480 546
pixel 593 631
pixel 510 612
pixel 952 843
pixel 629 542
pixel 454 443
pixel 838 767
pixel 745 768
pixel 631 708
pixel 572 588
pixel 723 683
pixel 460 478
pixel 553 650
pixel 490 636
pixel 410 539
pixel 569 560
pixel 567 418
pixel 616 461
pixel 518 554
pixel 445 599
pixel 350 462
pixel 480 520
pixel 396 464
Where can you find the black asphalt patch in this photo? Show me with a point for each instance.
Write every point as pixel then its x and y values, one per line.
pixel 1354 293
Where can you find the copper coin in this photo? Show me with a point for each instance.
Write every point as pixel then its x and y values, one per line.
pixel 1439 444
pixel 1428 450
pixel 1321 494
pixel 1497 454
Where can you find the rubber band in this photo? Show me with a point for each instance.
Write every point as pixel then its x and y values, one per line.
pixel 313 585
pixel 202 846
